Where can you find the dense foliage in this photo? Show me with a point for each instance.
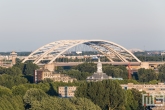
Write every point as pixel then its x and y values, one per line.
pixel 146 75
pixel 89 96
pixel 161 75
pixel 77 74
pixel 37 99
pixel 18 53
pixel 151 58
pixel 16 93
pixel 86 67
pixel 82 71
pixel 107 94
pixel 116 71
pixel 10 81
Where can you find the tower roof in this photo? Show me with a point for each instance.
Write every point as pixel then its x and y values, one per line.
pixel 13 53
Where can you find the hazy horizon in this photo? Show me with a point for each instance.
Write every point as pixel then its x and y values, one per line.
pixel 28 25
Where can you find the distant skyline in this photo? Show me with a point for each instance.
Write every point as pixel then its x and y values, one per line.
pixel 26 25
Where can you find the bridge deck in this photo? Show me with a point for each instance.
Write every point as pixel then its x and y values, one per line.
pixel 113 63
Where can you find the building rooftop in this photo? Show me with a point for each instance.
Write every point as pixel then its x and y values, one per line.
pixel 99 76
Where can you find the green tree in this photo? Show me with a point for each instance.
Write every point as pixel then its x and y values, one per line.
pixel 77 74
pixel 153 82
pixel 161 75
pixel 29 68
pixel 84 104
pixel 107 94
pixel 19 90
pixel 162 68
pixel 14 71
pixel 20 65
pixel 33 94
pixel 10 81
pixel 5 91
pixel 138 98
pixel 146 75
pixel 126 81
pixel 115 71
pixel 86 67
pixel 131 103
pixel 53 103
pixel 11 103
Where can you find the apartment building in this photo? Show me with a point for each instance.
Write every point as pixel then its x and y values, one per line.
pixel 48 72
pixel 148 88
pixel 41 74
pixel 66 91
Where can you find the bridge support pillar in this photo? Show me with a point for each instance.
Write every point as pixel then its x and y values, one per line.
pixel 145 65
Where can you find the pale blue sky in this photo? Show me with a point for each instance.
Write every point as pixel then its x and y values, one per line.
pixel 25 25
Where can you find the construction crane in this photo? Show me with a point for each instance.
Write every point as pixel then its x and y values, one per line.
pixel 129 71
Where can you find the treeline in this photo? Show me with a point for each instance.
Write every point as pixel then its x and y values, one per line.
pixel 17 93
pixel 18 53
pixel 20 71
pixel 38 97
pixel 150 76
pixel 109 95
pixel 103 95
pixel 151 58
pixel 82 71
pixel 144 56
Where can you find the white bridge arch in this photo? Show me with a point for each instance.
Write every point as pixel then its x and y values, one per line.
pixel 53 50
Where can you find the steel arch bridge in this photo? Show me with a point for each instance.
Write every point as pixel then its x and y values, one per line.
pixel 52 51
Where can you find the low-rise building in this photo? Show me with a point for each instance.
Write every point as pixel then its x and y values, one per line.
pixel 40 75
pixel 48 72
pixel 148 88
pixel 7 61
pixel 66 91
